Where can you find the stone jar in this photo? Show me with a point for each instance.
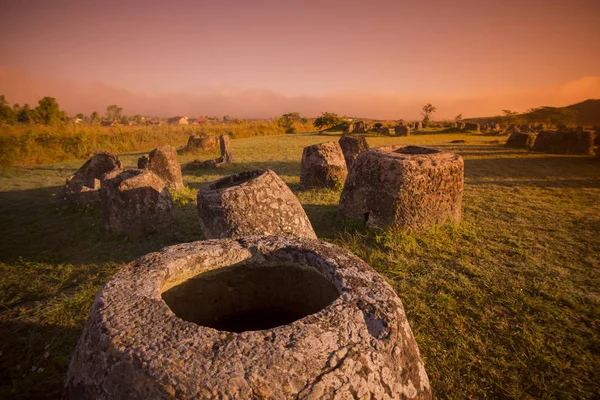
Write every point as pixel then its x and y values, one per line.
pixel 323 166
pixel 251 203
pixel 272 317
pixel 163 162
pixel 404 188
pixel 351 147
pixel 135 202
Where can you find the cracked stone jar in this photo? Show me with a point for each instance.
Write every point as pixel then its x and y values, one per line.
pixel 272 317
pixel 404 188
pixel 251 203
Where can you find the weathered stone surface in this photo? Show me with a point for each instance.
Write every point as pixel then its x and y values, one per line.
pixel 83 187
pixel 520 140
pixel 472 126
pixel 163 162
pixel 203 143
pixel 323 165
pixel 226 151
pixel 225 158
pixel 356 127
pixel 384 130
pixel 135 202
pixel 251 203
pixel 404 188
pixel 402 130
pixel 351 147
pixel 565 142
pixel 329 327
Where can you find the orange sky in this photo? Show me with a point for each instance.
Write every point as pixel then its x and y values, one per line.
pixel 260 58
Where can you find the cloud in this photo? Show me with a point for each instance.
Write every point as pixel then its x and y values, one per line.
pixel 21 87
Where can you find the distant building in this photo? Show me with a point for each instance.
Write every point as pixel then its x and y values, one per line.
pixel 178 121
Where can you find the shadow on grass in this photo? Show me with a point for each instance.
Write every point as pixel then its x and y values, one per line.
pixel 323 219
pixel 545 171
pixel 33 228
pixel 35 361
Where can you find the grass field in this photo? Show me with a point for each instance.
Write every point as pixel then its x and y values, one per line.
pixel 504 305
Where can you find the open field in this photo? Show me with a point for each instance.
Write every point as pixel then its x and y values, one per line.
pixel 504 305
pixel 30 144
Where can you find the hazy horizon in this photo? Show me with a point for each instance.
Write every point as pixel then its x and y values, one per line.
pixel 260 59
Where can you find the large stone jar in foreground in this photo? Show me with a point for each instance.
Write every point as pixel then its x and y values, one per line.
pixel 251 203
pixel 404 188
pixel 271 317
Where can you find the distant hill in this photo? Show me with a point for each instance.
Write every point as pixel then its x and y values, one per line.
pixel 588 112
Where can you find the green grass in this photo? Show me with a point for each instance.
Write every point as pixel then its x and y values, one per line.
pixel 504 305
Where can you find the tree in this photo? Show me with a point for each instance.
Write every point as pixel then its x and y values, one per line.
pixel 49 111
pixel 113 112
pixel 510 116
pixel 288 120
pixel 458 118
pixel 426 111
pixel 95 117
pixel 137 119
pixel 552 115
pixel 7 115
pixel 80 116
pixel 327 119
pixel 226 118
pixel 26 115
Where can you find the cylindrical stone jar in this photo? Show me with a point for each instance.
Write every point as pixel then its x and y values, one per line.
pixel 251 203
pixel 405 188
pixel 271 317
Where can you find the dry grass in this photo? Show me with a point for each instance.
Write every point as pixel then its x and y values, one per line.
pixel 39 144
pixel 504 305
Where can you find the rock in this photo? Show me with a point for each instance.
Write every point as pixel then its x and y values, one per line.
pixel 225 159
pixel 164 163
pixel 384 130
pixel 351 146
pixel 143 161
pixel 525 128
pixel 403 188
pixel 203 143
pixel 565 142
pixel 402 130
pixel 83 187
pixel 473 127
pixel 226 151
pixel 135 202
pixel 323 165
pixel 356 127
pixel 520 140
pixel 273 318
pixel 251 203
